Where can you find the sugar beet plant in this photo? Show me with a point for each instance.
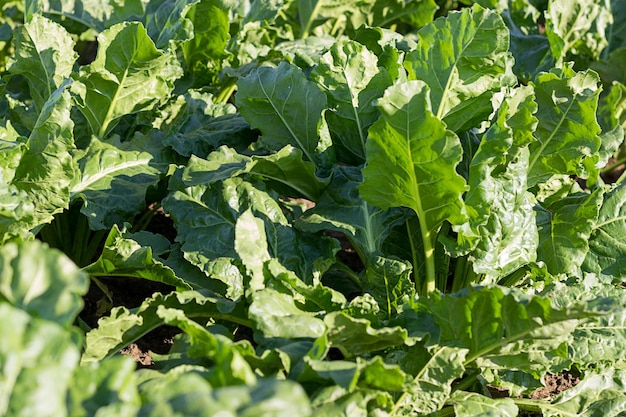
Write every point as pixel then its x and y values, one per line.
pixel 468 153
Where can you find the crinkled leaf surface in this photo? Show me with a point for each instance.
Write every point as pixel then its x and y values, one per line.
pixel 470 404
pixel 502 231
pixel 567 133
pixel 352 79
pixel 565 227
pixel 607 247
pixel 41 281
pixel 97 15
pixel 341 208
pixel 37 358
pixel 463 59
pixel 113 181
pixel 129 75
pixel 44 55
pixel 165 21
pixel 271 100
pixel 46 167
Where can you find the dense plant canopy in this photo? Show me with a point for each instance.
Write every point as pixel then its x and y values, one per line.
pixel 468 153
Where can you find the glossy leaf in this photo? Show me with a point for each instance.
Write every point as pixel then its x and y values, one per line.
pixel 41 281
pixel 44 55
pixel 113 180
pixel 464 60
pixel 567 133
pixel 270 99
pixel 129 75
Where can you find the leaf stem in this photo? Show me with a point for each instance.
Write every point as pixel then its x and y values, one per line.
pixel 614 165
pixel 227 91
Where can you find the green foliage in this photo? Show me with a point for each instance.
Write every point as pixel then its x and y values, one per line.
pixel 373 212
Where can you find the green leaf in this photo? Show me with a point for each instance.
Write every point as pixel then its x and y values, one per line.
pixel 124 326
pixel 228 367
pixel 565 227
pixel 97 15
pixel 597 394
pixel 577 29
pixel 276 315
pixel 44 55
pixel 41 281
pixel 352 79
pixel 124 256
pixel 337 401
pixel 432 386
pixel 37 358
pixel 607 250
pixel 267 98
pixel 504 329
pixel 464 60
pixel 166 22
pixel 203 53
pixel 285 170
pixel 46 167
pixel 411 160
pixel 104 388
pixel 113 181
pixel 194 124
pixel 389 282
pixel 129 75
pixel 567 134
pixel 502 232
pixel 471 404
pixel 356 336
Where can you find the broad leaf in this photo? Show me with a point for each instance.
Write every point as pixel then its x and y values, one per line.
pixel 271 100
pixel 285 171
pixel 340 208
pixel 46 167
pixel 567 134
pixel 502 232
pixel 97 15
pixel 113 181
pixel 565 227
pixel 44 55
pixel 41 281
pixel 166 23
pixel 411 160
pixel 464 60
pixel 124 256
pixel 607 250
pixel 37 359
pixel 352 79
pixel 129 75
pixel 471 404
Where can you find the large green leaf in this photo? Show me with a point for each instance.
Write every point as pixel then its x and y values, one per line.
pixel 44 55
pixel 340 208
pixel 104 388
pixel 124 256
pixel 578 28
pixel 46 167
pixel 504 329
pixel 128 75
pixel 124 326
pixel 97 15
pixel 352 79
pixel 285 171
pixel 37 359
pixel 565 227
pixel 205 51
pixel 271 100
pixel 41 281
pixel 567 134
pixel 113 181
pixel 464 60
pixel 165 22
pixel 432 386
pixel 471 404
pixel 607 250
pixel 502 232
pixel 411 160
